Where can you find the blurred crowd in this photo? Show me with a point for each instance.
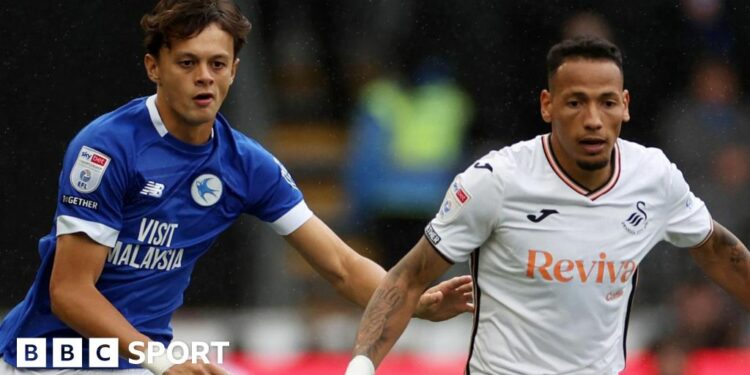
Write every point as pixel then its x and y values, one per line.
pixel 374 106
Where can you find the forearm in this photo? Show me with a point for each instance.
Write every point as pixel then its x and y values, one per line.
pixel 726 261
pixel 87 311
pixel 386 317
pixel 364 276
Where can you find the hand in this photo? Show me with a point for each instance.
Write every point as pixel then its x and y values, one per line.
pixel 189 368
pixel 446 300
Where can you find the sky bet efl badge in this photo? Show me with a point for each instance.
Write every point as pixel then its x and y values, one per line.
pixel 88 170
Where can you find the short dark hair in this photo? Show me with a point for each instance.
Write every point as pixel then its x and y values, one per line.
pixel 584 47
pixel 183 19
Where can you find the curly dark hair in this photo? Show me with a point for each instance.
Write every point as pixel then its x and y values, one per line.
pixel 182 19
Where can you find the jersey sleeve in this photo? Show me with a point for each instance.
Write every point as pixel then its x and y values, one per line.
pixel 689 223
pixel 467 215
pixel 276 198
pixel 92 188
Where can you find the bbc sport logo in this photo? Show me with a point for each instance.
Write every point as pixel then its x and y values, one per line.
pixel 104 352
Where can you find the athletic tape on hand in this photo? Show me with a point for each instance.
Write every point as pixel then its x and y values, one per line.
pixel 360 365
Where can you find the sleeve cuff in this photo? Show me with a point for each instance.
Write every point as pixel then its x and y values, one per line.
pixel 292 219
pixel 98 232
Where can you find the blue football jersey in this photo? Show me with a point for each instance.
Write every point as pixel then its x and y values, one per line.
pixel 158 204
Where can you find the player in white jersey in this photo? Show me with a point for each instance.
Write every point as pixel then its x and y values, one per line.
pixel 555 228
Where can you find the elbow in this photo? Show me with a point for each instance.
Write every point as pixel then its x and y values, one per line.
pixel 61 297
pixel 56 298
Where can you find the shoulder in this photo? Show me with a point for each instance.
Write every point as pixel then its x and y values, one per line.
pixel 239 145
pixel 117 133
pixel 643 160
pixel 490 175
pixel 502 164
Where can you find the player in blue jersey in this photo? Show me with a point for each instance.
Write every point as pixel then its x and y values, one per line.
pixel 147 188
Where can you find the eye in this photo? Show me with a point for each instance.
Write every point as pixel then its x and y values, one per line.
pixel 186 63
pixel 218 64
pixel 610 103
pixel 573 103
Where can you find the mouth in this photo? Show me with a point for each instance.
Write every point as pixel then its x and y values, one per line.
pixel 203 99
pixel 592 145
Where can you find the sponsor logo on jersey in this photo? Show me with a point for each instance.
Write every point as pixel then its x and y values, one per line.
pixel 486 166
pixel 80 202
pixel 543 265
pixel 153 251
pixel 284 173
pixel 88 170
pixel 544 213
pixel 206 189
pixel 153 189
pixel 431 235
pixel 461 194
pixel 637 221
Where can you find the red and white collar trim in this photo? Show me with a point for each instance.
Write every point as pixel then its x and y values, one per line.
pixel 591 194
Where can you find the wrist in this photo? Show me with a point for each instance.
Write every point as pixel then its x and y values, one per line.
pixel 360 365
pixel 159 364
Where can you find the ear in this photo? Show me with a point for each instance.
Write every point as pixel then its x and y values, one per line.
pixel 151 64
pixel 234 70
pixel 545 105
pixel 626 103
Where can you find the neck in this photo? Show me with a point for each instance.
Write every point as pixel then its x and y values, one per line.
pixel 590 179
pixel 194 134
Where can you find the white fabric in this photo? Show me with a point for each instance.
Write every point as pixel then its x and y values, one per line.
pixel 98 232
pixel 360 365
pixel 554 291
pixel 159 364
pixel 292 219
pixel 7 369
pixel 153 112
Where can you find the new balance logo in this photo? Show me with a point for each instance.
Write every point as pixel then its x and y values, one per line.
pixel 544 214
pixel 153 189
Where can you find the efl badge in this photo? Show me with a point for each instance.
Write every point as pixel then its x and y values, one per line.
pixel 88 169
pixel 453 202
pixel 206 189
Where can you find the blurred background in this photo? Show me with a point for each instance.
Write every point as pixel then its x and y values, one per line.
pixel 374 106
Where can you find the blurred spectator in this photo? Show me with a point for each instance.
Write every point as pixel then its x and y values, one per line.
pixel 699 316
pixel 715 157
pixel 708 26
pixel 406 145
pixel 705 131
pixel 586 23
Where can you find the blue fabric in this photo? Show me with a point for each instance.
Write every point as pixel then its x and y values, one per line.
pixel 162 230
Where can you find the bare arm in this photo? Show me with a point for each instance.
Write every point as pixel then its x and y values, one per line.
pixel 353 275
pixel 357 277
pixel 74 299
pixel 726 261
pixel 78 263
pixel 394 301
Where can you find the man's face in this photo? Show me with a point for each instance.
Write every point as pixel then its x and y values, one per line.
pixel 586 106
pixel 193 77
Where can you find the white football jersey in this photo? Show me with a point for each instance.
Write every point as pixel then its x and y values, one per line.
pixel 555 264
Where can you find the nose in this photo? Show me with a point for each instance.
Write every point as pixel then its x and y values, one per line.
pixel 593 117
pixel 203 75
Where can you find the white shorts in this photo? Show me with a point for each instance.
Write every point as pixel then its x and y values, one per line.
pixel 7 369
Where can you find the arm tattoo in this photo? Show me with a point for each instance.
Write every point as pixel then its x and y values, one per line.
pixel 736 252
pixel 373 333
pixel 388 299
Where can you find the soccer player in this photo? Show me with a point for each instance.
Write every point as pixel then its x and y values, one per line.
pixel 555 228
pixel 146 189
